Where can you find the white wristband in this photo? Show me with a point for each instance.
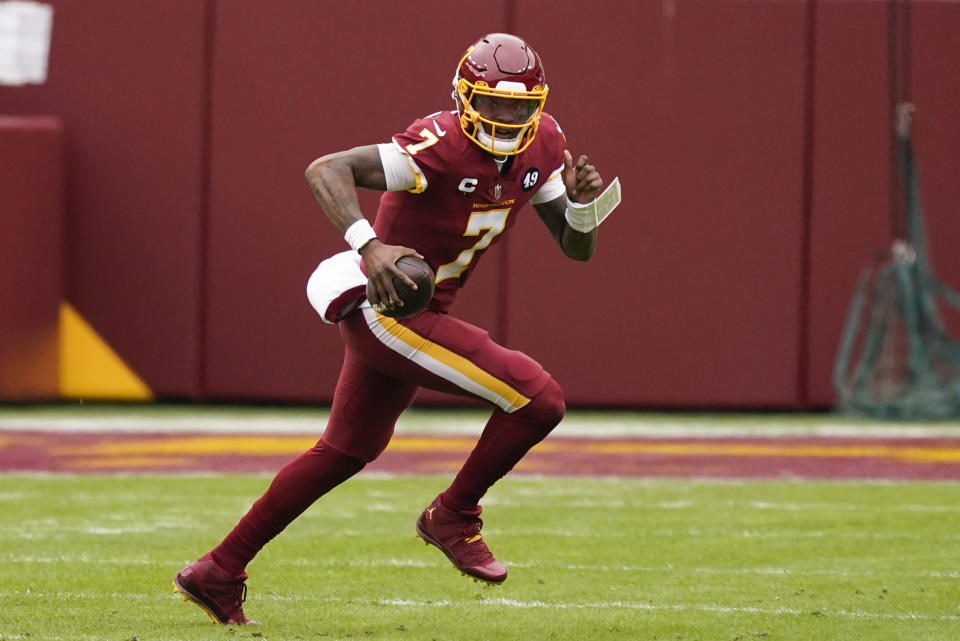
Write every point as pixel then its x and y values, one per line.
pixel 585 217
pixel 582 217
pixel 359 234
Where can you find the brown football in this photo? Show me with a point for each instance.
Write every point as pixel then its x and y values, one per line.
pixel 414 300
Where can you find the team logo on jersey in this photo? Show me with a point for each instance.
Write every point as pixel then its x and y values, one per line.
pixel 531 178
pixel 497 191
pixel 468 185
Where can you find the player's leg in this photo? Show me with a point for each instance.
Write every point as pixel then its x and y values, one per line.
pixel 452 521
pixel 445 353
pixel 506 438
pixel 365 408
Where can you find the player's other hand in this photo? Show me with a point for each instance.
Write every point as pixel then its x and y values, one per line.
pixel 380 261
pixel 582 180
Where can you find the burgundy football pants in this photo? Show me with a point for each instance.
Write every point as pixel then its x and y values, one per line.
pixel 385 362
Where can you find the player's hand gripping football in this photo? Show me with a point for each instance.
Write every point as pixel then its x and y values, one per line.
pixel 380 261
pixel 583 181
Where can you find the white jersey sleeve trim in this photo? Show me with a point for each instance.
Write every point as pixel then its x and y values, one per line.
pixel 553 188
pixel 399 169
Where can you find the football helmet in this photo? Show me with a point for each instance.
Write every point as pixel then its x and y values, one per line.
pixel 500 90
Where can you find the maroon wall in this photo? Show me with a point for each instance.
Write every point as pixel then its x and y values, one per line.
pixel 850 213
pixel 936 49
pixel 692 298
pixel 291 82
pixel 850 206
pixel 30 256
pixel 709 232
pixel 128 81
pixel 751 138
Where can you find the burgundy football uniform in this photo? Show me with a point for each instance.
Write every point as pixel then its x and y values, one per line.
pixel 467 203
pixel 460 199
pixel 462 205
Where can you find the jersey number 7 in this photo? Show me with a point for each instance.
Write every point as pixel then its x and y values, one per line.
pixel 493 222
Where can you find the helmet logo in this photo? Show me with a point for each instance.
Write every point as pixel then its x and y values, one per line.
pixel 512 61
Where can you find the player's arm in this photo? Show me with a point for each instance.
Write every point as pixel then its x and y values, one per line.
pixel 334 179
pixel 582 185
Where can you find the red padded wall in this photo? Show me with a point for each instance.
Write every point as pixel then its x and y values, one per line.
pixel 692 298
pixel 851 170
pixel 850 216
pixel 128 81
pixel 292 81
pixel 31 244
pixel 190 231
pixel 935 53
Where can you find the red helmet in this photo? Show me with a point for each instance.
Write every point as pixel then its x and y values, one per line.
pixel 500 91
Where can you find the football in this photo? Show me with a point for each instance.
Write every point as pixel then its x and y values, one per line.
pixel 414 300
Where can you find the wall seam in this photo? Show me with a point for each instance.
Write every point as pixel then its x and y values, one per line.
pixel 804 318
pixel 203 241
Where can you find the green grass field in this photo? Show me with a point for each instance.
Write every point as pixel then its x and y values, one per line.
pixel 91 557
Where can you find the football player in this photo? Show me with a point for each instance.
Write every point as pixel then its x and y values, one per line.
pixel 454 183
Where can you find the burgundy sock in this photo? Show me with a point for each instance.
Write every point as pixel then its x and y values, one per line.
pixel 295 488
pixel 505 440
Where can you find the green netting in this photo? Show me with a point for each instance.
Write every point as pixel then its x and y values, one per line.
pixel 896 357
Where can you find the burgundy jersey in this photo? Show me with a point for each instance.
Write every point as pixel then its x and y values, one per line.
pixel 467 203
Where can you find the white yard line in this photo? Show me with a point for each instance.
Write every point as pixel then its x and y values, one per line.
pixel 418 421
pixel 499 602
pixel 434 564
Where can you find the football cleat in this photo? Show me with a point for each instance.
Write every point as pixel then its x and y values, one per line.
pixel 217 593
pixel 457 534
